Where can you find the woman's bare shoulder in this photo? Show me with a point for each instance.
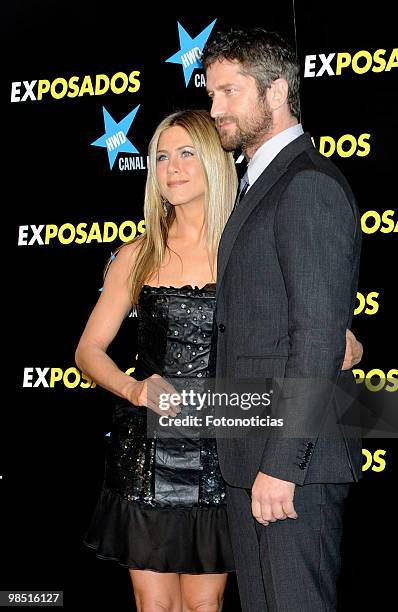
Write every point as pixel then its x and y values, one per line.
pixel 127 254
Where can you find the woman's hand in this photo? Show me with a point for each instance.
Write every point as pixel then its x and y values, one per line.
pixel 353 351
pixel 156 394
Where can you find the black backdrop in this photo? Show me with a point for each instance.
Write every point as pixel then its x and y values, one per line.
pixel 53 422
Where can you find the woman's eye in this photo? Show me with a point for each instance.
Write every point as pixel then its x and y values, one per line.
pixel 187 153
pixel 161 157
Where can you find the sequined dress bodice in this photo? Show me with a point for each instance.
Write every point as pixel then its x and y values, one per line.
pixel 175 330
pixel 175 341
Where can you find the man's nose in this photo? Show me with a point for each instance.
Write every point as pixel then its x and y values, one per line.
pixel 217 108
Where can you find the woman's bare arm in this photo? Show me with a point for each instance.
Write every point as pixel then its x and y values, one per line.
pixel 105 320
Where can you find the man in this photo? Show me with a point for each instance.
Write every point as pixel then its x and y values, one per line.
pixel 286 285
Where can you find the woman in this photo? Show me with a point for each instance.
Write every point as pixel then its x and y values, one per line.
pixel 162 509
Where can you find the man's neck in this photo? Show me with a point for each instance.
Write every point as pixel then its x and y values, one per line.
pixel 274 131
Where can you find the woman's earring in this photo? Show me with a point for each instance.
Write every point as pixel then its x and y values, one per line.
pixel 165 206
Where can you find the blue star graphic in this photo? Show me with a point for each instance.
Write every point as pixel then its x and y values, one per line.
pixel 113 257
pixel 115 139
pixel 191 50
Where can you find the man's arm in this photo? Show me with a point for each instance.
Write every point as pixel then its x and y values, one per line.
pixel 315 230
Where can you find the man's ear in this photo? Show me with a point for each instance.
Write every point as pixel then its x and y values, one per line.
pixel 277 93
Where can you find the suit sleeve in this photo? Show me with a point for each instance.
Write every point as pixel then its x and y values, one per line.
pixel 314 232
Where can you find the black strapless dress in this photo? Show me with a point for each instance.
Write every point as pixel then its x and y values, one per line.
pixel 162 505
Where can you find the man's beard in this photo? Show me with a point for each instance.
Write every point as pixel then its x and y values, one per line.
pixel 248 133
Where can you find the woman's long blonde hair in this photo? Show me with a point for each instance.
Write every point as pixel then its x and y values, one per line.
pixel 220 191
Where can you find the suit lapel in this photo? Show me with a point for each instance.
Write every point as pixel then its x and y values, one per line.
pixel 260 188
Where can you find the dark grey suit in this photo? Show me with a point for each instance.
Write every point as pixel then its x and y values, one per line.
pixel 287 279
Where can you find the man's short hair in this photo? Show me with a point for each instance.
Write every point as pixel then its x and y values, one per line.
pixel 263 55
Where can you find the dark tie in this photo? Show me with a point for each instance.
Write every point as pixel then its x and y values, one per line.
pixel 243 186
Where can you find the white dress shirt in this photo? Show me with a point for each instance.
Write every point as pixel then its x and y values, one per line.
pixel 269 150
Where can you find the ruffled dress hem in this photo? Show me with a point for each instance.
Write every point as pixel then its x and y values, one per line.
pixel 138 536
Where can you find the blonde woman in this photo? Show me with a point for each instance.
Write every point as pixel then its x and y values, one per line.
pixel 162 511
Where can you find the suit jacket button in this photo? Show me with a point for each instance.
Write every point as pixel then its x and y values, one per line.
pixel 221 327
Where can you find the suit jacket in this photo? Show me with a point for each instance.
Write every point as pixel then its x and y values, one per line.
pixel 288 265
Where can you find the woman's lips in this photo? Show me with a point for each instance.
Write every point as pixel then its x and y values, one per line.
pixel 176 183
